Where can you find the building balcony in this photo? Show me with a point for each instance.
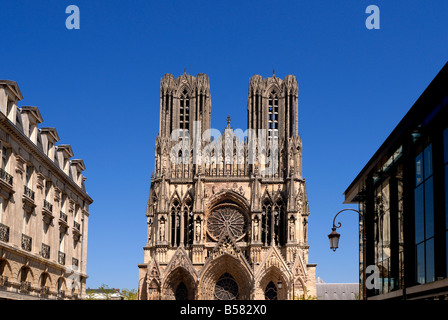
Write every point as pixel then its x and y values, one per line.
pixel 61 294
pixel 6 177
pixel 75 262
pixel 47 211
pixel 6 182
pixel 25 286
pixel 28 192
pixel 76 231
pixel 28 199
pixel 3 281
pixel 48 206
pixel 63 217
pixel 26 242
pixel 44 291
pixel 61 257
pixel 4 233
pixel 45 251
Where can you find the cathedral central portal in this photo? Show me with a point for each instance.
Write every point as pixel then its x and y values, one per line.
pixel 225 223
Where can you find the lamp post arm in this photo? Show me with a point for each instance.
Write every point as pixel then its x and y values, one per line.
pixel 339 224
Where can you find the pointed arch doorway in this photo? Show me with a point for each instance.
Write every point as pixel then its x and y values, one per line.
pixel 226 278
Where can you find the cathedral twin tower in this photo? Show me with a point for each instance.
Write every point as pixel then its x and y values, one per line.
pixel 227 211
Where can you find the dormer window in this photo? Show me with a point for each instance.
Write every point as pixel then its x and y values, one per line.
pixel 9 107
pixel 50 147
pixel 273 116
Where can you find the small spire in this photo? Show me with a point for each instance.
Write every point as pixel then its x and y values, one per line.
pixel 185 70
pixel 228 121
pixel 273 73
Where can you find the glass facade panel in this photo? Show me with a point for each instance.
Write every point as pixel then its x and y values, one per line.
pixel 419 215
pixel 429 257
pixel 445 145
pixel 446 199
pixel 447 254
pixel 382 234
pixel 428 161
pixel 420 263
pixel 419 169
pixel 400 282
pixel 429 209
pixel 445 161
pixel 424 216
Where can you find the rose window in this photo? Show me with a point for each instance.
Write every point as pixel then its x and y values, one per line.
pixel 226 218
pixel 226 288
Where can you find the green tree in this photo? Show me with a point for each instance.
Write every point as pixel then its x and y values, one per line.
pixel 105 291
pixel 129 294
pixel 305 296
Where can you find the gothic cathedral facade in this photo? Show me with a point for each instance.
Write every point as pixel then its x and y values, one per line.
pixel 227 212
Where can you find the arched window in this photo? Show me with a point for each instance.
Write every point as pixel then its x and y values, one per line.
pixel 273 116
pixel 44 279
pixel 3 268
pixel 25 279
pixel 175 223
pixel 266 223
pixel 270 292
pixel 279 223
pixel 188 222
pixel 25 274
pixel 273 226
pixel 184 112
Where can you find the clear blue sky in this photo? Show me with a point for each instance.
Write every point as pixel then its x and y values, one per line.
pixel 99 86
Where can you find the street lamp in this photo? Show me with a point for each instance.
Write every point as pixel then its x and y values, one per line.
pixel 334 242
pixel 334 239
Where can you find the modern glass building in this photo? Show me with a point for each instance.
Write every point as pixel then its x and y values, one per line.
pixel 402 194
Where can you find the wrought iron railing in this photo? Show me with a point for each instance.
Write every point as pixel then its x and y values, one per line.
pixel 61 257
pixel 28 192
pixel 25 286
pixel 4 233
pixel 26 242
pixel 45 251
pixel 63 216
pixel 44 291
pixel 48 206
pixel 5 176
pixel 3 281
pixel 61 294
